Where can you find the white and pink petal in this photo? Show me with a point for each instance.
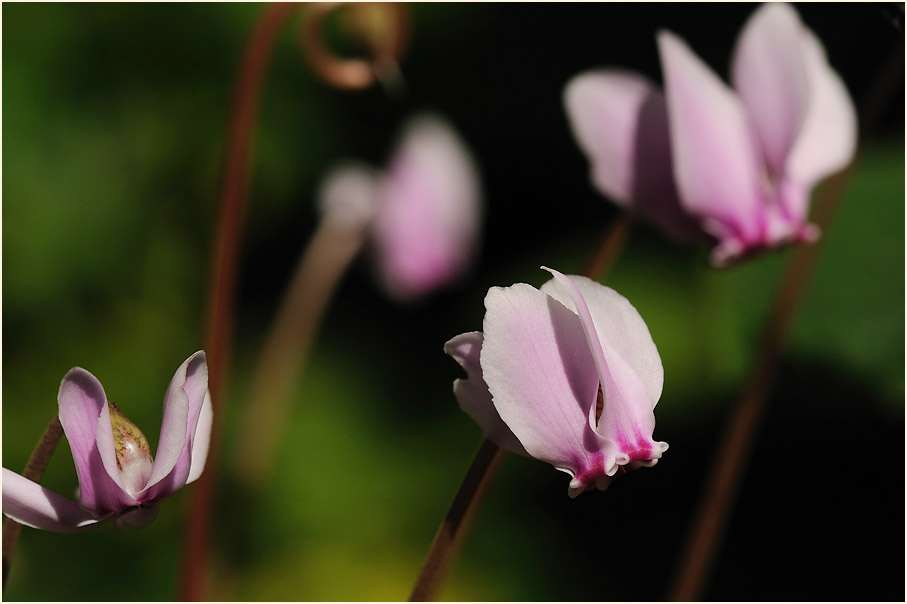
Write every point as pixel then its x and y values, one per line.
pixel 82 402
pixel 620 121
pixel 30 504
pixel 542 384
pixel 473 395
pixel 717 162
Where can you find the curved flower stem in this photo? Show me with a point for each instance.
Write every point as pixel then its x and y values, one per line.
pixel 223 281
pixel 481 472
pixel 33 471
pixel 382 27
pixel 733 452
pixel 329 253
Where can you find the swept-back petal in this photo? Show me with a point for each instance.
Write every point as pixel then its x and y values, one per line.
pixel 769 73
pixel 717 166
pixel 627 420
pixel 426 228
pixel 473 395
pixel 30 504
pixel 542 384
pixel 620 121
pixel 201 439
pixel 616 320
pixel 182 406
pixel 828 137
pixel 81 401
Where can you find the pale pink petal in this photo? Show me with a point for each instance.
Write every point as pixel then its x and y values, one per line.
pixel 828 138
pixel 473 395
pixel 426 228
pixel 627 420
pixel 769 73
pixel 717 166
pixel 30 504
pixel 620 324
pixel 81 401
pixel 182 406
pixel 542 384
pixel 201 439
pixel 620 121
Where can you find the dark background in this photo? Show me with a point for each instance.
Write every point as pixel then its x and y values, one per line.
pixel 113 130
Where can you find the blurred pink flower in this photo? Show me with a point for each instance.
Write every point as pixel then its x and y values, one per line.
pixel 737 164
pixel 567 374
pixel 118 478
pixel 424 213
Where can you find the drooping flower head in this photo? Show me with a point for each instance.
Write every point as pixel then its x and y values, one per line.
pixel 424 212
pixel 118 477
pixel 735 164
pixel 568 374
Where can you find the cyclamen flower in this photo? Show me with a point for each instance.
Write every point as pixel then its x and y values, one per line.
pixel 568 374
pixel 424 213
pixel 118 478
pixel 737 164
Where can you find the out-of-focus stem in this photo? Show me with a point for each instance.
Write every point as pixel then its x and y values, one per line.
pixel 609 248
pixel 331 250
pixel 225 254
pixel 33 471
pixel 734 450
pixel 456 523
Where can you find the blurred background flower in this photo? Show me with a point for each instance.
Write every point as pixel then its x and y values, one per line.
pixel 114 119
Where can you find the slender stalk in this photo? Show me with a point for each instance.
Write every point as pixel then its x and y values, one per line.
pixel 330 252
pixel 456 523
pixel 734 450
pixel 609 247
pixel 33 471
pixel 742 427
pixel 450 534
pixel 225 253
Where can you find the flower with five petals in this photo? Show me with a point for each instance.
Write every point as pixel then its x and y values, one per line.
pixel 118 478
pixel 568 374
pixel 702 158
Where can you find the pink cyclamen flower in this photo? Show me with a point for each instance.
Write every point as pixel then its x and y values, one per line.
pixel 737 164
pixel 424 213
pixel 568 374
pixel 118 478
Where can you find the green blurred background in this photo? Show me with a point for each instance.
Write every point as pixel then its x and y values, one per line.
pixel 114 121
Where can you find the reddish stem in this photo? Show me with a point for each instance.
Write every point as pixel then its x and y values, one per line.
pixel 224 261
pixel 38 460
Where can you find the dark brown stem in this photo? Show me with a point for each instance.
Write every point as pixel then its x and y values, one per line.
pixel 734 450
pixel 33 471
pixel 234 190
pixel 456 523
pixel 609 248
pixel 450 534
